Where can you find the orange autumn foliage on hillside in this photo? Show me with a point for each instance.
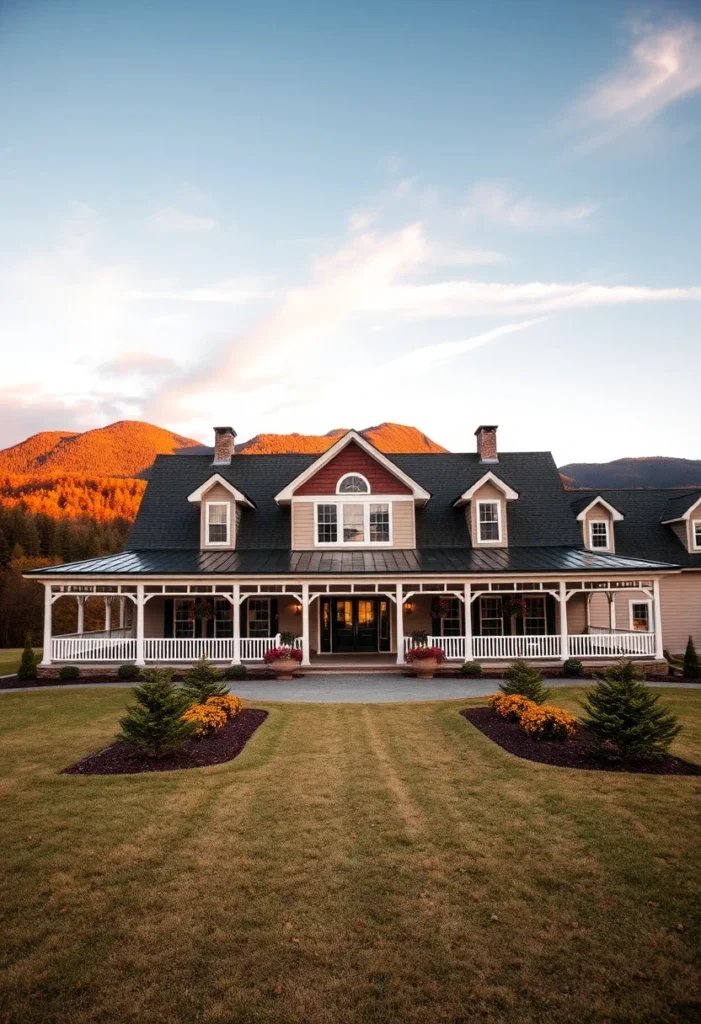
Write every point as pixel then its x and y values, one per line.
pixel 73 495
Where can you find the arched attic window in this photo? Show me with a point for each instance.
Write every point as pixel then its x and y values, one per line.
pixel 352 483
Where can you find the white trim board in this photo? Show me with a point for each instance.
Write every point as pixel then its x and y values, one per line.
pixel 216 478
pixel 489 478
pixel 615 514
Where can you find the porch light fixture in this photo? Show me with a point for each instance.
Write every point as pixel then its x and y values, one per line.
pixel 296 608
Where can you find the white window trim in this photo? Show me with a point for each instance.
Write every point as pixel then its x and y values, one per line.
pixel 598 547
pixel 694 545
pixel 217 543
pixel 631 617
pixel 357 493
pixel 497 540
pixel 363 499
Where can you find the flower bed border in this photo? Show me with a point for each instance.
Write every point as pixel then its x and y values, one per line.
pixel 575 753
pixel 219 747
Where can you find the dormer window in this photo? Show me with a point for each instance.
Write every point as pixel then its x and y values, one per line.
pixel 218 522
pixel 353 483
pixel 599 535
pixel 696 533
pixel 489 521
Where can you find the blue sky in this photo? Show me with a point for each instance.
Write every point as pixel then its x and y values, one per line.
pixel 300 216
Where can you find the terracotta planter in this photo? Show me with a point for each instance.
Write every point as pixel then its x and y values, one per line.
pixel 283 668
pixel 425 668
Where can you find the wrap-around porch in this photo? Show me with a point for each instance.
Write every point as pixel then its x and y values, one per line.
pixel 236 623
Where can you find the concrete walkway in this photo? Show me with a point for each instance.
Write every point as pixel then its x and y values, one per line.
pixel 357 689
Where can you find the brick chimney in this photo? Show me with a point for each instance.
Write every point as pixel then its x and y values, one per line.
pixel 224 445
pixel 487 444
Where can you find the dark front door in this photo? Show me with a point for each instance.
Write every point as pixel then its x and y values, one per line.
pixel 354 623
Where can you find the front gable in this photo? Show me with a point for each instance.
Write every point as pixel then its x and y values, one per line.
pixel 352 459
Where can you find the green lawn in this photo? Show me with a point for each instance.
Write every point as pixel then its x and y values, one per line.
pixel 10 658
pixel 355 864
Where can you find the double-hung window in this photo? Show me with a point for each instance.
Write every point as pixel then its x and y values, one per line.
pixel 258 616
pixel 218 522
pixel 353 522
pixel 183 618
pixel 696 532
pixel 640 616
pixel 491 616
pixel 534 621
pixel 488 522
pixel 599 534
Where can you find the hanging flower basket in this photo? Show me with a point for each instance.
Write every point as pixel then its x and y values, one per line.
pixel 441 608
pixel 201 610
pixel 514 605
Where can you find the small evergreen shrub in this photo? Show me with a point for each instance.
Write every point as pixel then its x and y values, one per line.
pixel 28 665
pixel 471 669
pixel 526 681
pixel 692 665
pixel 419 638
pixel 128 672
pixel 287 639
pixel 235 672
pixel 573 668
pixel 626 716
pixel 155 724
pixel 69 672
pixel 202 681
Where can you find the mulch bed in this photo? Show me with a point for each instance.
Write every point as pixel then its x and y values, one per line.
pixel 219 747
pixel 577 753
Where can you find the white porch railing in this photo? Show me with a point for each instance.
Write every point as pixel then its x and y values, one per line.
pixel 509 647
pixel 93 648
pixel 581 645
pixel 612 645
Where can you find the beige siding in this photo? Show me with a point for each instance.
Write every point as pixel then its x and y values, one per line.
pixel 154 617
pixel 488 492
pixel 596 514
pixel 403 519
pixel 302 525
pixel 420 617
pixel 681 610
pixel 217 493
pixel 682 532
pixel 576 614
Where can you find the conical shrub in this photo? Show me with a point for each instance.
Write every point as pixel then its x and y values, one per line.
pixel 154 724
pixel 526 680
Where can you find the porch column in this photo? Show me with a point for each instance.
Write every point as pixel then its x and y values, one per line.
pixel 108 614
pixel 305 624
pixel 612 611
pixel 81 615
pixel 46 651
pixel 122 607
pixel 140 624
pixel 400 625
pixel 468 622
pixel 236 659
pixel 588 611
pixel 564 635
pixel 657 608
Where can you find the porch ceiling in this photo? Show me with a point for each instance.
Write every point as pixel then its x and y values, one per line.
pixel 430 561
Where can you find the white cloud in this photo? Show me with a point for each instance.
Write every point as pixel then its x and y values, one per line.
pixel 359 220
pixel 662 67
pixel 234 291
pixel 494 201
pixel 428 357
pixel 479 298
pixel 171 221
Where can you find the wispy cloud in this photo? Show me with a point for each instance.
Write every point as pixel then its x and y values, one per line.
pixel 172 221
pixel 235 291
pixel 662 67
pixel 430 357
pixel 139 364
pixel 494 201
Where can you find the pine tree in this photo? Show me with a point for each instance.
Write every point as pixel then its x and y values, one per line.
pixel 27 666
pixel 154 724
pixel 623 713
pixel 203 681
pixel 692 665
pixel 526 680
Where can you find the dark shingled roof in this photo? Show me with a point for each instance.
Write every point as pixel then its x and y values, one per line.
pixel 394 562
pixel 544 535
pixel 541 516
pixel 678 505
pixel 642 532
